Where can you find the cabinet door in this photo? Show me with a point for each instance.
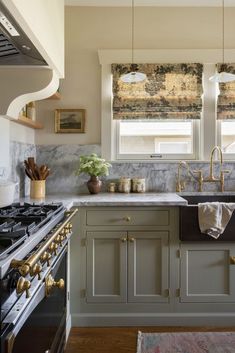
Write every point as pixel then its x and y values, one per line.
pixel 206 273
pixel 148 267
pixel 106 267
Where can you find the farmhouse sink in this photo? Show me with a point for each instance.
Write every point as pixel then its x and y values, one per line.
pixel 189 227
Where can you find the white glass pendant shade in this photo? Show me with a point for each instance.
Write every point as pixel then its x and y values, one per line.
pixel 133 77
pixel 222 77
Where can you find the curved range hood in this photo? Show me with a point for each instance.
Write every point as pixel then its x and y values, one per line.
pixel 24 74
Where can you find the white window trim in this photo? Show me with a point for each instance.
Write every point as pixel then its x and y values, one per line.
pixel 209 130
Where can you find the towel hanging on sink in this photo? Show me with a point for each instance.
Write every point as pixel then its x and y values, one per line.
pixel 213 217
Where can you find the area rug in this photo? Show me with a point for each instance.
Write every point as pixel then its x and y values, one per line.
pixel 186 342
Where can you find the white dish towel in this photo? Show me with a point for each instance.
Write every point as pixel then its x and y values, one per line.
pixel 213 217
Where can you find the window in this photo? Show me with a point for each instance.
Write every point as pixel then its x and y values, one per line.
pixel 228 137
pixel 156 116
pixel 156 139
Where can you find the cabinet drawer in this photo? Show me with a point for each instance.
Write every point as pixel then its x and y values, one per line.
pixel 128 217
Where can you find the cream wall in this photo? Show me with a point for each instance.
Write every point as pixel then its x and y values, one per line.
pixel 88 29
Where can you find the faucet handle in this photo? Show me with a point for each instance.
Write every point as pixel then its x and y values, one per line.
pixel 200 178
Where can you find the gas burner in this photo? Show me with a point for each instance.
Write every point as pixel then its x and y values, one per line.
pixel 19 221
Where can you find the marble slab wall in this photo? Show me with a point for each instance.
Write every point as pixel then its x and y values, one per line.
pixel 18 153
pixel 160 176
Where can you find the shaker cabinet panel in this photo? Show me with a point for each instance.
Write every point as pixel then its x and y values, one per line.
pixel 148 267
pixel 106 266
pixel 206 273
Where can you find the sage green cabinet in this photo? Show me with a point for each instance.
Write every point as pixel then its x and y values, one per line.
pixel 207 275
pixel 127 267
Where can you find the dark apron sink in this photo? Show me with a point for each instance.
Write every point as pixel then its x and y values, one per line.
pixel 189 226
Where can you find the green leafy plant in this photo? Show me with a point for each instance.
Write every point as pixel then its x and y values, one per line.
pixel 93 165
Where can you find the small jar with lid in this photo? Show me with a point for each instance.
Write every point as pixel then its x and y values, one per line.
pixel 138 185
pixel 124 185
pixel 112 187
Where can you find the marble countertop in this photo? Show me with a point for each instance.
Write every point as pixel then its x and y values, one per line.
pixel 114 199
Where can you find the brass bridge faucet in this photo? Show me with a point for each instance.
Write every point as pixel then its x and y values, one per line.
pixel 210 179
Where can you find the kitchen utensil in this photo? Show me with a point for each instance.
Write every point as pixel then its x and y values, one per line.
pixel 7 192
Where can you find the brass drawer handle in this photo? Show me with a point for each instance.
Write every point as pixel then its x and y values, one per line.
pixel 127 218
pixel 232 260
pixel 124 239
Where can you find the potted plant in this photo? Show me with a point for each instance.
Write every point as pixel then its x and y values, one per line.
pixel 95 167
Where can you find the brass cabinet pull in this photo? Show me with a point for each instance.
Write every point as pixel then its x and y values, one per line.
pixel 232 260
pixel 23 285
pixel 127 218
pixel 124 239
pixel 131 239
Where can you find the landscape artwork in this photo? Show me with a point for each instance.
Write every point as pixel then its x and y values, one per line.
pixel 70 120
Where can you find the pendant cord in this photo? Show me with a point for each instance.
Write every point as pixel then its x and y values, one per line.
pixel 223 30
pixel 132 32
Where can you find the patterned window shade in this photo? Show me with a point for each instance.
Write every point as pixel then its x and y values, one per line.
pixel 226 98
pixel 171 91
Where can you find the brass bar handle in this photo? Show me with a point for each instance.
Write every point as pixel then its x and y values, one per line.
pixel 28 264
pixel 232 260
pixel 123 239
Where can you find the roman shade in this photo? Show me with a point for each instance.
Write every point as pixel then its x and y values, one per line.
pixel 171 91
pixel 226 98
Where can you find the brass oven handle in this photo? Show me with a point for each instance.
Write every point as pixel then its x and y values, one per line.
pixel 25 268
pixel 50 283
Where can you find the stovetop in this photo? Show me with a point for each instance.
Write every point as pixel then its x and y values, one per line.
pixel 20 221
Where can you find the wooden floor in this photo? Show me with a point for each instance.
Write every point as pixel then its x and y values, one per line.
pixel 118 339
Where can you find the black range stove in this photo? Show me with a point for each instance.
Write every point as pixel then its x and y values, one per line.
pixel 20 221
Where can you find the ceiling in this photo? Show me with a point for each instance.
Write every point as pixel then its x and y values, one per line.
pixel 162 3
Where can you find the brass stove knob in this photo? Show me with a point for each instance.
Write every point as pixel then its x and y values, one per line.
pixel 69 227
pixel 51 283
pixel 36 270
pixel 59 239
pixel 46 256
pixel 23 285
pixel 53 248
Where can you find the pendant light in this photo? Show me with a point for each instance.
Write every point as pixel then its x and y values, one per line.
pixel 222 77
pixel 133 76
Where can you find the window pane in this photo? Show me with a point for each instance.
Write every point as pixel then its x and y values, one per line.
pixel 228 136
pixel 138 137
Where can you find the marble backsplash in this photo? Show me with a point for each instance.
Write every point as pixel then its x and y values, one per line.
pixel 18 153
pixel 63 161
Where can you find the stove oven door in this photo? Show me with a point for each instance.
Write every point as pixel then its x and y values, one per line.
pixel 41 328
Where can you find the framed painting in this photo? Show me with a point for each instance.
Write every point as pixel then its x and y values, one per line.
pixel 70 120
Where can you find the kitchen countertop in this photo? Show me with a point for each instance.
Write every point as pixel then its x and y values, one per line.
pixel 114 199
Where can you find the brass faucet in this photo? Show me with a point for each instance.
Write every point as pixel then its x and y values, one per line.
pixel 180 185
pixel 211 177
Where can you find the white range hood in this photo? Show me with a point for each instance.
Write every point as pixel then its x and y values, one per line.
pixel 41 23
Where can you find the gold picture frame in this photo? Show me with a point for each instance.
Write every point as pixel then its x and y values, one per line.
pixel 70 120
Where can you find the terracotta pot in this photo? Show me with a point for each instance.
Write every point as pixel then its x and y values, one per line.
pixel 94 184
